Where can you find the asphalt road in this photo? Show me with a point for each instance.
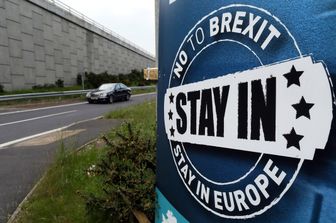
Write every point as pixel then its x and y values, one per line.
pixel 15 125
pixel 25 153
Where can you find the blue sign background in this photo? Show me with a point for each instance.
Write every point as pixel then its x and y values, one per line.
pixel 312 197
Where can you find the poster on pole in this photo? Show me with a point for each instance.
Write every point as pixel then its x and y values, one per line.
pixel 245 111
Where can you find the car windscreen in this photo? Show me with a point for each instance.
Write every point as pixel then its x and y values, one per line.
pixel 123 86
pixel 106 87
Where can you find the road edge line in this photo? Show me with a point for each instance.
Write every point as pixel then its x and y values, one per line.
pixel 42 108
pixel 19 207
pixel 10 143
pixel 6 144
pixel 60 106
pixel 37 118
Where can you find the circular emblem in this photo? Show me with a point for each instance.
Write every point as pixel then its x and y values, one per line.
pixel 243 110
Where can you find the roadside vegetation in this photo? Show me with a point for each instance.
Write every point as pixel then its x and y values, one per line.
pixel 49 101
pixel 134 78
pixel 40 102
pixel 41 89
pixel 91 81
pixel 1 89
pixel 111 180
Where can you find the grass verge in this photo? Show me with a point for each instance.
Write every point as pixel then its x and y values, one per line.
pixel 58 197
pixel 144 91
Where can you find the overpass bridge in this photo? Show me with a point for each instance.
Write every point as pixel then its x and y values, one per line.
pixel 42 41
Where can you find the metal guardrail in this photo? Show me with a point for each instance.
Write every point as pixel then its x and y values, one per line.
pixel 55 94
pixel 80 15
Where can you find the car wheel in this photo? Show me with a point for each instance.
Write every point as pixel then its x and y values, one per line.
pixel 111 99
pixel 90 101
pixel 128 96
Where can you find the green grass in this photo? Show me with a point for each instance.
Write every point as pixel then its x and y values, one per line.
pixel 143 91
pixel 142 116
pixel 58 197
pixel 140 113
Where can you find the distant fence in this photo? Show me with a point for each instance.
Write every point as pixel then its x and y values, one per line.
pixel 56 94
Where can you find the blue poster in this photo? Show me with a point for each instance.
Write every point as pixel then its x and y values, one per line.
pixel 246 128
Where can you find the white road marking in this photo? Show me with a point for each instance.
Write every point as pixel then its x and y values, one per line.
pixel 3 145
pixel 44 108
pixel 36 118
pixel 50 138
pixel 61 106
pixel 6 144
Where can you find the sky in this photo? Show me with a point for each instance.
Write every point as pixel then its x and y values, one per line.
pixel 132 19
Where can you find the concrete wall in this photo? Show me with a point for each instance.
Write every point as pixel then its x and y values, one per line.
pixel 40 43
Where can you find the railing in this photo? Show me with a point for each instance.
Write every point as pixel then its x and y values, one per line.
pixel 56 94
pixel 80 15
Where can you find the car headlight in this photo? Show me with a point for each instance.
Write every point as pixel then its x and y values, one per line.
pixel 88 94
pixel 102 94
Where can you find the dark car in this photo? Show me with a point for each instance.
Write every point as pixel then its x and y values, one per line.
pixel 109 93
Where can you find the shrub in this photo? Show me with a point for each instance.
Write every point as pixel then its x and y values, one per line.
pixel 59 83
pixel 79 79
pixel 135 78
pixel 128 175
pixel 2 90
pixel 45 86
